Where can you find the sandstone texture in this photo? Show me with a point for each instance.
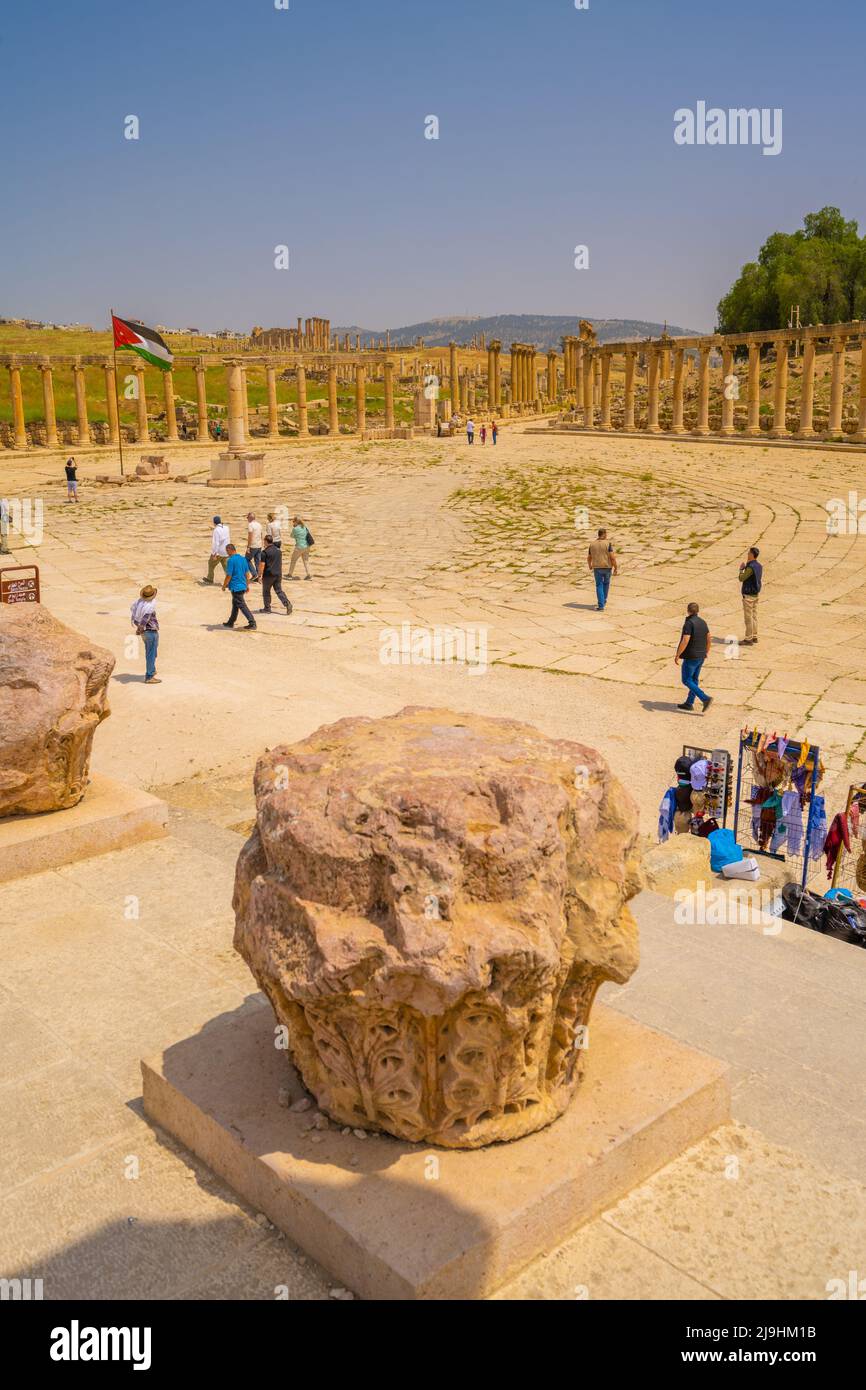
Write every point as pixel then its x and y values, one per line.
pixel 683 861
pixel 53 694
pixel 430 902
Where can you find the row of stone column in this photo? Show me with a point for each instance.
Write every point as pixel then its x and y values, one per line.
pixel 661 361
pixel 238 409
pixel 238 414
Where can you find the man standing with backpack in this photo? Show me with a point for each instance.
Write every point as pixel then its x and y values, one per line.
pixel 751 578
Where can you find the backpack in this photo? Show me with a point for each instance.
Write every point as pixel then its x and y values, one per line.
pixel 310 540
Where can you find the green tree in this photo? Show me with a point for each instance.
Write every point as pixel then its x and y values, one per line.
pixel 822 268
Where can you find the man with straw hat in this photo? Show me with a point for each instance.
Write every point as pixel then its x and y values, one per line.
pixel 146 624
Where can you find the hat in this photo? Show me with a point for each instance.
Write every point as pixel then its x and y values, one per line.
pixel 148 591
pixel 217 521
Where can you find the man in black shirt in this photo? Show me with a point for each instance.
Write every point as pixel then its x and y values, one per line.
pixel 693 650
pixel 71 481
pixel 271 574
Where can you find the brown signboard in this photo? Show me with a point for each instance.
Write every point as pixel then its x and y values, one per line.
pixel 19 584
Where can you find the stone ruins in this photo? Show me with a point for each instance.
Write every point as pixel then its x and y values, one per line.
pixel 430 901
pixel 53 694
pixel 725 385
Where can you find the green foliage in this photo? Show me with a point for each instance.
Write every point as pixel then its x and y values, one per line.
pixel 822 268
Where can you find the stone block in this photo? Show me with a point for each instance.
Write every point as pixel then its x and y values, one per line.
pixel 394 1220
pixel 110 816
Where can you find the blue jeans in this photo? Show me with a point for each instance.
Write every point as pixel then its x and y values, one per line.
pixel 691 671
pixel 252 558
pixel 151 642
pixel 602 585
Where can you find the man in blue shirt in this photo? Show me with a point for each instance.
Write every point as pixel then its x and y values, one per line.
pixel 236 583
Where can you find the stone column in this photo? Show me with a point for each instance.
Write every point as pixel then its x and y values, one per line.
pixel 494 377
pixel 17 406
pixel 81 404
pixel 577 373
pixel 273 412
pixel 628 416
pixel 170 412
pixel 727 404
pixel 596 382
pixel 235 408
pixel 361 397
pixel 48 405
pixel 245 400
pixel 333 412
pixel 780 397
pixel 551 377
pixel 703 424
pixel 588 374
pixel 201 401
pixel 452 379
pixel 389 395
pixel 679 383
pixel 807 394
pixel 464 392
pixel 604 422
pixel 754 423
pixel 860 435
pixel 111 401
pixel 142 432
pixel 837 387
pixel 652 423
pixel 303 426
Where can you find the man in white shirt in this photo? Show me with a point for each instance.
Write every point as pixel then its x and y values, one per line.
pixel 218 554
pixel 254 546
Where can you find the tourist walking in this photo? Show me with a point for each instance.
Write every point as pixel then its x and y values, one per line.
pixel 483 434
pixel 470 431
pixel 254 545
pixel 71 480
pixel 143 617
pixel 219 542
pixel 237 574
pixel 601 560
pixel 274 528
pixel 751 578
pixel 303 540
pixel 693 650
pixel 494 431
pixel 271 575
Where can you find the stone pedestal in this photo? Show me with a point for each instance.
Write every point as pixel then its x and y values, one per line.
pixel 110 816
pixel 237 470
pixel 392 1220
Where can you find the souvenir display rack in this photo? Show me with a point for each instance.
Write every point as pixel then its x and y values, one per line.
pixel 848 868
pixel 796 753
pixel 718 788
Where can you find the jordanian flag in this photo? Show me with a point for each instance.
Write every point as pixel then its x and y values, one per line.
pixel 147 343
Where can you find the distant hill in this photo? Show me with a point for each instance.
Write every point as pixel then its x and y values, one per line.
pixel 544 330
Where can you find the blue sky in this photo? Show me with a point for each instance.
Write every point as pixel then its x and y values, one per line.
pixel 305 127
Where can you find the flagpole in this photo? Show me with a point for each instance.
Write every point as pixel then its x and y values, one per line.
pixel 116 397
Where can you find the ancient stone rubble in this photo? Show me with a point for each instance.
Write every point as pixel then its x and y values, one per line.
pixel 430 902
pixel 53 694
